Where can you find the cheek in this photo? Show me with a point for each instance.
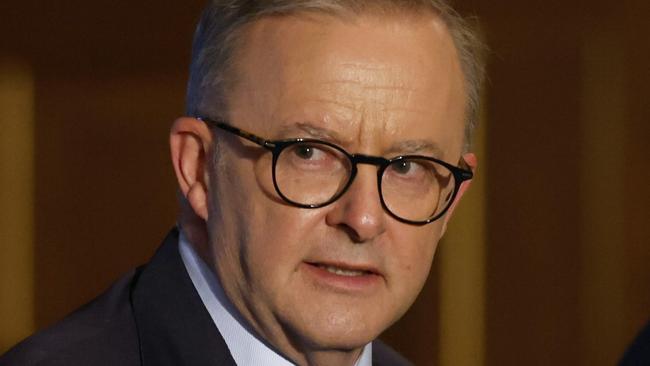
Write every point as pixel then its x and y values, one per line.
pixel 279 241
pixel 272 235
pixel 413 263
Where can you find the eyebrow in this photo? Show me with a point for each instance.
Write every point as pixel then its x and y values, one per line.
pixel 416 147
pixel 314 132
pixel 408 147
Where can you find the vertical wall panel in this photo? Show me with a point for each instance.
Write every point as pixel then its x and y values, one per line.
pixel 105 188
pixel 637 175
pixel 533 251
pixel 16 203
pixel 602 196
pixel 461 259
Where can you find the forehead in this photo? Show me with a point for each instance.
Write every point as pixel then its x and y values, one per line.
pixel 371 75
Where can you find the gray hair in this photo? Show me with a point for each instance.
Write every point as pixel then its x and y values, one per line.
pixel 223 22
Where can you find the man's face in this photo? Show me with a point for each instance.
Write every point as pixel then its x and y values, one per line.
pixel 376 86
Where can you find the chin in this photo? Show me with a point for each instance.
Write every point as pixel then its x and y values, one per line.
pixel 338 333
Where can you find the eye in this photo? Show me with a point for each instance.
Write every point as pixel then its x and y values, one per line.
pixel 312 156
pixel 407 168
pixel 402 167
pixel 308 152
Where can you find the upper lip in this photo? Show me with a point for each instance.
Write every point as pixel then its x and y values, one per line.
pixel 347 266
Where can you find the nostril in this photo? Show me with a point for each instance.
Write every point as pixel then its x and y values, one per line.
pixel 360 227
pixel 351 233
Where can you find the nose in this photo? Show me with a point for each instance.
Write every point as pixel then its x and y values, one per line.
pixel 359 211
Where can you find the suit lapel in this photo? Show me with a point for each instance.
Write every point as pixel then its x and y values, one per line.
pixel 174 326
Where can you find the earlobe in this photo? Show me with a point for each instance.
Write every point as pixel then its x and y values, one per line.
pixel 190 142
pixel 471 160
pixel 198 199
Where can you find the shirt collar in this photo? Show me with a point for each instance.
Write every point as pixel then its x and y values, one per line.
pixel 244 345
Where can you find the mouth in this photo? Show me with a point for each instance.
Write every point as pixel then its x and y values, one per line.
pixel 345 277
pixel 343 270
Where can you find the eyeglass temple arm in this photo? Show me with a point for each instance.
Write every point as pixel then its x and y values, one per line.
pixel 467 172
pixel 241 133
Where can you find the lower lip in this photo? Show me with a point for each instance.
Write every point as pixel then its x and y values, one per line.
pixel 363 283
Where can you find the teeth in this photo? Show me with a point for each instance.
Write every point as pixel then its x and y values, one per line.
pixel 343 272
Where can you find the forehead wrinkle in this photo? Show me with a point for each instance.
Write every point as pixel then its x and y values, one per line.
pixel 338 103
pixel 368 70
pixel 376 98
pixel 384 91
pixel 364 66
pixel 364 84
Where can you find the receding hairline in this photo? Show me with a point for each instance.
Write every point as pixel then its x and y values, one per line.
pixel 219 41
pixel 232 73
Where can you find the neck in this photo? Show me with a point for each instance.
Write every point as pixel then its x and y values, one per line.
pixel 336 357
pixel 195 231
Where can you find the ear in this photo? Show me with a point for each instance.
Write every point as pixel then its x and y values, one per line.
pixel 471 160
pixel 190 141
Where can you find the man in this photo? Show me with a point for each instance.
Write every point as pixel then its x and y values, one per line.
pixel 323 154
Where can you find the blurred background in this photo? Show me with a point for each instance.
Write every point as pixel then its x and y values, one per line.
pixel 547 262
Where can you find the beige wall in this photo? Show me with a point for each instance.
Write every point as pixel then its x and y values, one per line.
pixel 16 201
pixel 545 265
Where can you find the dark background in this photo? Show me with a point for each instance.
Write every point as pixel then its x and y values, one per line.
pixel 566 168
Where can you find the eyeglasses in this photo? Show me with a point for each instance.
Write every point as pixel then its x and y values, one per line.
pixel 311 173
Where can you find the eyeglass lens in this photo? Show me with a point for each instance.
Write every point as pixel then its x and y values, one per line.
pixel 416 189
pixel 311 174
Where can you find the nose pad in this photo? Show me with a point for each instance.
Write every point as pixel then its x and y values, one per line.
pixel 359 211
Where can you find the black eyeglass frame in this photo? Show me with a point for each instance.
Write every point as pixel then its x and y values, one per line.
pixel 276 147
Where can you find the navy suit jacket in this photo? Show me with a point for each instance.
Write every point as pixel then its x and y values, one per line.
pixel 152 316
pixel 639 352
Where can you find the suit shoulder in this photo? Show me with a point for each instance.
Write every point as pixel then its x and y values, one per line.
pixel 639 351
pixel 101 332
pixel 384 355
